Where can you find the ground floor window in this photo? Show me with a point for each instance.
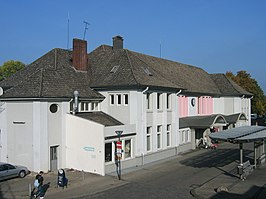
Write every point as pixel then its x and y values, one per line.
pixel 149 131
pixel 159 136
pixel 108 152
pixel 111 149
pixel 184 136
pixel 168 134
pixel 127 148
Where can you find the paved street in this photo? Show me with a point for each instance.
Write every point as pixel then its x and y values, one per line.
pixel 176 178
pixel 192 175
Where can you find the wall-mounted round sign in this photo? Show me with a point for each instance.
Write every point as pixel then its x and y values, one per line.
pixel 193 101
pixel 1 91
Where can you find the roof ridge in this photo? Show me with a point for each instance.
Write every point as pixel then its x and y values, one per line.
pixel 227 78
pixel 41 83
pixel 131 67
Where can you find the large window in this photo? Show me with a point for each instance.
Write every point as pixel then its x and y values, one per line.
pixel 119 99
pixel 159 100
pixel 125 99
pixel 168 135
pixel 149 132
pixel 108 152
pixel 127 148
pixel 168 101
pixel 111 149
pixel 112 99
pixel 159 136
pixel 149 101
pixel 184 136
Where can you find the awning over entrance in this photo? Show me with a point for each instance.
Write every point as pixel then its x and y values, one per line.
pixel 202 121
pixel 241 134
pixel 234 118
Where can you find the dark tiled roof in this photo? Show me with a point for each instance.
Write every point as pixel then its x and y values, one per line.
pixel 129 71
pixel 135 69
pixel 51 76
pixel 99 117
pixel 228 87
pixel 201 121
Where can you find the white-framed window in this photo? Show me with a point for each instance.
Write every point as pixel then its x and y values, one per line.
pixel 159 136
pixel 149 101
pixel 125 96
pixel 108 152
pixel 148 136
pixel 128 148
pixel 184 136
pixel 168 101
pixel 111 149
pixel 119 99
pixel 159 101
pixel 168 135
pixel 94 106
pixel 112 99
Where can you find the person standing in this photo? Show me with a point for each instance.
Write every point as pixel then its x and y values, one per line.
pixel 39 179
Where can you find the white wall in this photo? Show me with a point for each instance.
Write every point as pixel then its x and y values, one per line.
pixel 19 128
pixel 3 132
pixel 84 145
pixel 218 105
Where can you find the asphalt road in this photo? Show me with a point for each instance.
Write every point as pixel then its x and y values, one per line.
pixel 175 178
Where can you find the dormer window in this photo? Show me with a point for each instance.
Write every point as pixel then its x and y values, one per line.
pixel 147 71
pixel 114 69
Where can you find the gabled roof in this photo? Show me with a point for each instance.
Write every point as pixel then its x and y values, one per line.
pixel 51 76
pixel 228 87
pixel 232 119
pixel 99 117
pixel 112 68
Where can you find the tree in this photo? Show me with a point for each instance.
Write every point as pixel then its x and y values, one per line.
pixel 9 68
pixel 243 79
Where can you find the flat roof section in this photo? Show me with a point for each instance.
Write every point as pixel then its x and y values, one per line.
pixel 241 134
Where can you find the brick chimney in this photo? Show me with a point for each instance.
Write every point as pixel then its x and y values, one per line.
pixel 118 42
pixel 79 55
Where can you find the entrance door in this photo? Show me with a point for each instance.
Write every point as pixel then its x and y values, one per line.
pixel 53 158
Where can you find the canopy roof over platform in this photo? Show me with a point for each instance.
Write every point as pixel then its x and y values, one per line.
pixel 241 134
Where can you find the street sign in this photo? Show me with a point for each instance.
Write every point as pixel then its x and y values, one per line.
pixel 119 133
pixel 119 145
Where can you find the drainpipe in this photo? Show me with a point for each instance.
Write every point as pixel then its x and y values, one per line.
pixel 178 92
pixel 142 109
pixel 145 90
pixel 76 103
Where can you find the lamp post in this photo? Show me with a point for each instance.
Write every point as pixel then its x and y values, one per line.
pixel 76 103
pixel 118 154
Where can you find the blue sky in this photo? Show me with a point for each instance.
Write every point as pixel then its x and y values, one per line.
pixel 216 35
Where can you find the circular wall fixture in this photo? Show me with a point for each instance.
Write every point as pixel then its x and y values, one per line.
pixel 53 108
pixel 193 101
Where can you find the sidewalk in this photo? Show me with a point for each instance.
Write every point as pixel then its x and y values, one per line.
pixel 224 184
pixel 229 186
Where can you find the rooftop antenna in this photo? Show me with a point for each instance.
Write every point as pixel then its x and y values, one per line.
pixel 160 50
pixel 86 28
pixel 68 30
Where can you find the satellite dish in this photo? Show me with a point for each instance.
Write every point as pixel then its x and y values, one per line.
pixel 1 91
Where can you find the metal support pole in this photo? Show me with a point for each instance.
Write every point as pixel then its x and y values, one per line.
pixel 241 153
pixel 255 155
pixel 119 164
